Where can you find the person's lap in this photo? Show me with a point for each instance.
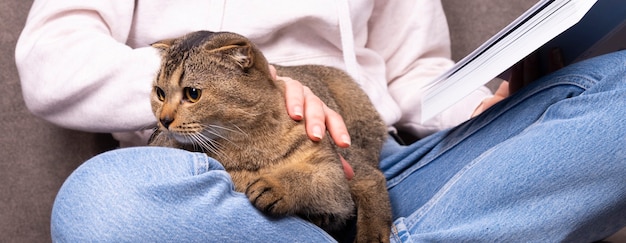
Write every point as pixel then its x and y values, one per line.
pixel 546 163
pixel 542 163
pixel 153 194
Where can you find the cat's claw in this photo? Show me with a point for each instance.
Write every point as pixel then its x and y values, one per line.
pixel 267 196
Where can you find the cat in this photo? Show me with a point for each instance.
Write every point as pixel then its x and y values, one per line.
pixel 214 93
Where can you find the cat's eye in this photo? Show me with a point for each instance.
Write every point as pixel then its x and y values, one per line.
pixel 159 93
pixel 192 94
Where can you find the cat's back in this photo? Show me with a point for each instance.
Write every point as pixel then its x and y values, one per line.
pixel 342 94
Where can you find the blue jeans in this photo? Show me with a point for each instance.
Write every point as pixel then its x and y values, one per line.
pixel 547 164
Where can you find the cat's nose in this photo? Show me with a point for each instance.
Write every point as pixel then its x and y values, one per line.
pixel 166 121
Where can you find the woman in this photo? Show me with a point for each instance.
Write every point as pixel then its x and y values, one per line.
pixel 530 167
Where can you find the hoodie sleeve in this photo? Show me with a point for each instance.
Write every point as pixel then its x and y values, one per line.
pixel 77 72
pixel 413 38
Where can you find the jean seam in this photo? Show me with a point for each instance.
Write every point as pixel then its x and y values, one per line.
pixel 419 213
pixel 584 83
pixel 201 163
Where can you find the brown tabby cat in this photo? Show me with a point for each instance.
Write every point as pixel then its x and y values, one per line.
pixel 214 93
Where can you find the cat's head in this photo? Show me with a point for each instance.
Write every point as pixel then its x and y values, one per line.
pixel 211 84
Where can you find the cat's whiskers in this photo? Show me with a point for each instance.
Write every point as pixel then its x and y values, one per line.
pixel 195 143
pixel 210 145
pixel 240 130
pixel 201 137
pixel 200 142
pixel 236 130
pixel 212 130
pixel 151 127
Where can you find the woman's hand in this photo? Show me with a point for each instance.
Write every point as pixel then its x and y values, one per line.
pixel 501 93
pixel 303 104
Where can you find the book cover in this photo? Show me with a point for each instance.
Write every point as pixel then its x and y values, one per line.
pixel 601 31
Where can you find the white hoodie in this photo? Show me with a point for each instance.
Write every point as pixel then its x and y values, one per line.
pixel 87 65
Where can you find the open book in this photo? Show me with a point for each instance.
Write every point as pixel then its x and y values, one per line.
pixel 580 28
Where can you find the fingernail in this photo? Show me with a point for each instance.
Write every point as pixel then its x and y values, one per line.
pixel 346 139
pixel 317 132
pixel 297 111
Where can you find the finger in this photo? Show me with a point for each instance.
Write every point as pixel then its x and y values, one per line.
pixel 294 98
pixel 487 103
pixel 314 115
pixel 303 104
pixel 501 93
pixel 503 90
pixel 479 109
pixel 337 128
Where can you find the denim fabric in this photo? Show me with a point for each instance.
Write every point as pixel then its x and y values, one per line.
pixel 545 165
pixel 153 194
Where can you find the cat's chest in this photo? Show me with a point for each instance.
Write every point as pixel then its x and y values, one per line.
pixel 245 158
pixel 243 174
pixel 243 178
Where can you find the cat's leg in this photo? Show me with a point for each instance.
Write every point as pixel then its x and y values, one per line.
pixel 368 187
pixel 316 191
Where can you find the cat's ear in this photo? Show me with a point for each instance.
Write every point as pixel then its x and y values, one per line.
pixel 163 45
pixel 240 52
pixel 243 55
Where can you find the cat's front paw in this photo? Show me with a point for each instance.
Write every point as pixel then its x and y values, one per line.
pixel 376 231
pixel 268 195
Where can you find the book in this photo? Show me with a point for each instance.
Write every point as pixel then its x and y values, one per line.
pixel 580 28
pixel 602 30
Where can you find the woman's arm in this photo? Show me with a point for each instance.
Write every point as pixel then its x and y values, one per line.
pixel 76 70
pixel 413 38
